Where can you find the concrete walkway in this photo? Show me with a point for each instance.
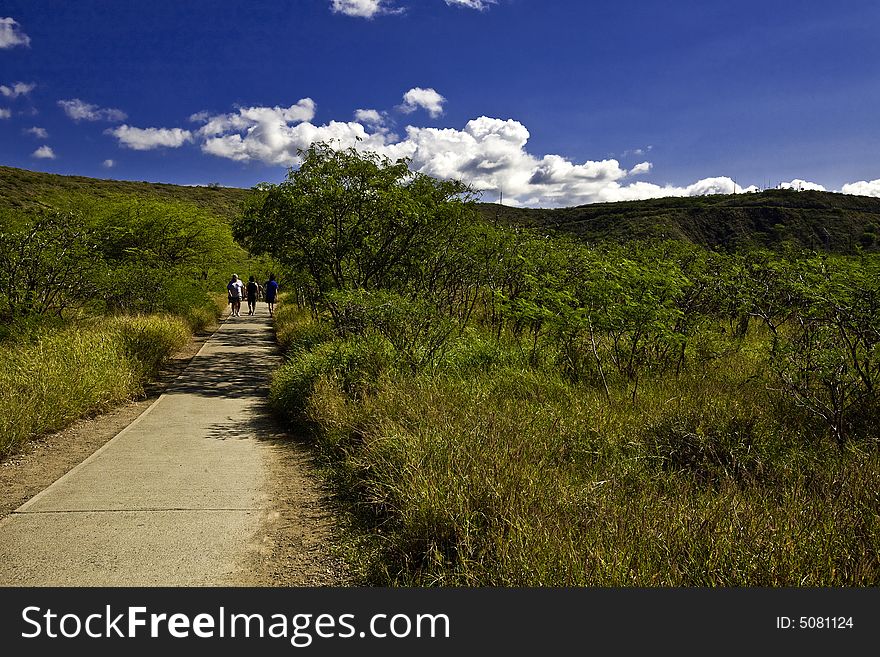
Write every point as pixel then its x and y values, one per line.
pixel 175 499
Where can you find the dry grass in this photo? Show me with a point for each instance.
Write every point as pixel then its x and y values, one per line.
pixel 61 375
pixel 510 476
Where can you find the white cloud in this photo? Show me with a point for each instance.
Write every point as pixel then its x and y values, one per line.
pixel 427 99
pixel 472 4
pixel 488 153
pixel 274 135
pixel 44 153
pixel 802 185
pixel 252 117
pixel 363 8
pixel 371 118
pixel 862 188
pixel 108 164
pixel 277 143
pixel 16 90
pixel 11 34
pixel 146 139
pixel 39 133
pixel 5 113
pixel 82 111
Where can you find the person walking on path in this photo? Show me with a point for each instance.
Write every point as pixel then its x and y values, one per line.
pixel 235 289
pixel 253 293
pixel 271 293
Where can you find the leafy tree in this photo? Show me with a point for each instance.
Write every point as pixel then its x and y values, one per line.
pixel 47 264
pixel 353 220
pixel 829 360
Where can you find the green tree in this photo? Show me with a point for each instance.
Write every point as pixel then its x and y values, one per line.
pixel 46 264
pixel 356 220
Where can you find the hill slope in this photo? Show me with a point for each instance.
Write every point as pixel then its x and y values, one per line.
pixel 20 188
pixel 816 220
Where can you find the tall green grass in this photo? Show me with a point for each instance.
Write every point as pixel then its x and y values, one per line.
pixel 487 472
pixel 60 375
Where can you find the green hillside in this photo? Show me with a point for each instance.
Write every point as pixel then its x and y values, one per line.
pixel 817 220
pixel 20 188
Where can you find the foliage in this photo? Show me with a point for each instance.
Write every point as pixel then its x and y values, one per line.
pixel 353 220
pixel 829 361
pixel 47 264
pixel 60 375
pixel 548 411
pixel 507 475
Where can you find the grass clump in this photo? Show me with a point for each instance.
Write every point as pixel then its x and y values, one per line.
pixel 484 471
pixel 57 376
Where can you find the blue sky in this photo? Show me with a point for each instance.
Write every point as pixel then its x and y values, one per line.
pixel 550 102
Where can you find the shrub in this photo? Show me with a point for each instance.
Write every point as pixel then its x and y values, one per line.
pixel 61 375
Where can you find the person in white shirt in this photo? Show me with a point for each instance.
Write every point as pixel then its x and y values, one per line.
pixel 235 290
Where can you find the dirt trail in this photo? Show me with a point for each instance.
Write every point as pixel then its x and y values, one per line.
pixel 200 489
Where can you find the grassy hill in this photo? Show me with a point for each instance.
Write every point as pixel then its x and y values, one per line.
pixel 817 220
pixel 20 188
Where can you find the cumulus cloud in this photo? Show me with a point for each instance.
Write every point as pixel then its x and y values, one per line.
pixel 108 164
pixel 472 4
pixel 5 113
pixel 277 142
pixel 427 99
pixel 863 188
pixel 146 139
pixel 16 90
pixel 802 185
pixel 363 8
pixel 11 34
pixel 44 153
pixel 371 118
pixel 39 133
pixel 490 154
pixel 251 117
pixel 82 111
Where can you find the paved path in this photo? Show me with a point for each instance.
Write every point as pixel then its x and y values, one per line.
pixel 175 499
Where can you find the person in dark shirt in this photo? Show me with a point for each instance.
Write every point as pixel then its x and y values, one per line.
pixel 271 293
pixel 253 293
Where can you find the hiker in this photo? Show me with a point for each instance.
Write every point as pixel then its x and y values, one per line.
pixel 235 289
pixel 271 293
pixel 253 293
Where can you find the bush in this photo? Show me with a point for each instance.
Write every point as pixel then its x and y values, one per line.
pixel 298 330
pixel 355 363
pixel 61 375
pixel 148 340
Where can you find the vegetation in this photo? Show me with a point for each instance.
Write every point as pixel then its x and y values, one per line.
pixel 55 376
pixel 670 392
pixel 100 282
pixel 554 412
pixel 822 221
pixel 21 189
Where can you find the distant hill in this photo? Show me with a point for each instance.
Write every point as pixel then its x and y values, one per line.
pixel 816 220
pixel 20 188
